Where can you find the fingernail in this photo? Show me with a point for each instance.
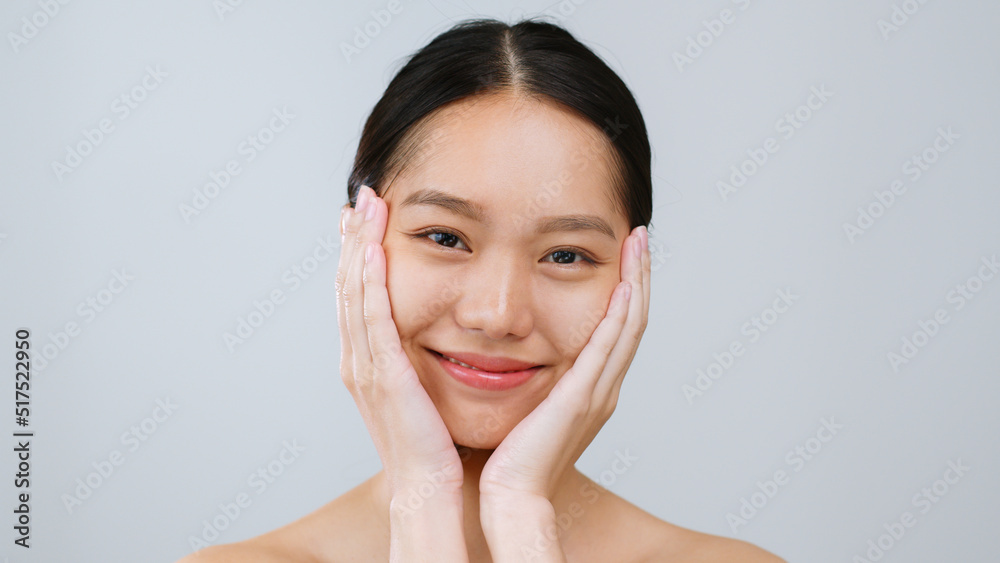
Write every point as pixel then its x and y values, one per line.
pixel 637 246
pixel 372 208
pixel 369 253
pixel 645 237
pixel 627 291
pixel 343 220
pixel 362 201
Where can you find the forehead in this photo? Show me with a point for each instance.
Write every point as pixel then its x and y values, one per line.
pixel 512 153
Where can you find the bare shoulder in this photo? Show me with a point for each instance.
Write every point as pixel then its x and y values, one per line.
pixel 342 530
pixel 249 551
pixel 287 543
pixel 710 548
pixel 648 539
pixel 681 544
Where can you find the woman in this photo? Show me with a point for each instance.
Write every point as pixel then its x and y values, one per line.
pixel 492 290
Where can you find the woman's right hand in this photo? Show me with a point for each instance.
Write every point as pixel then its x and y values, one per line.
pixel 419 458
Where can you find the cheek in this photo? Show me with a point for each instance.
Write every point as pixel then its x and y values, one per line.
pixel 418 294
pixel 403 293
pixel 571 315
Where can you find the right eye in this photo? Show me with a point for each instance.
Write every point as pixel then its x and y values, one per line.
pixel 444 238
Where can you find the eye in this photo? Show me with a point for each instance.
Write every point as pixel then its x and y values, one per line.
pixel 569 256
pixel 572 257
pixel 441 237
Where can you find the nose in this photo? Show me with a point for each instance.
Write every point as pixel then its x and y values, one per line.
pixel 496 300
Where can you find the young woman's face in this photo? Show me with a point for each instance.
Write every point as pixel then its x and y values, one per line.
pixel 503 243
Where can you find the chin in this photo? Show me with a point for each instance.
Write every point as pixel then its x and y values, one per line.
pixel 481 426
pixel 475 443
pixel 477 418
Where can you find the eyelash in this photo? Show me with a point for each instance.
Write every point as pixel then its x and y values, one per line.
pixel 438 231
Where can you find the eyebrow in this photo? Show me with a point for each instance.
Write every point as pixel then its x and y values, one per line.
pixel 474 211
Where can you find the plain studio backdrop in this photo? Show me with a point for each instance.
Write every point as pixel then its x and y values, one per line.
pixel 819 373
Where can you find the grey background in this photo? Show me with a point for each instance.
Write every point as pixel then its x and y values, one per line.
pixel 718 264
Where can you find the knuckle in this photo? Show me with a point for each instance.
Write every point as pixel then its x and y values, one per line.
pixel 341 281
pixel 349 295
pixel 589 409
pixel 364 376
pixel 579 406
pixel 389 360
pixel 359 242
pixel 632 339
pixel 350 225
pixel 348 380
pixel 610 405
pixel 397 381
pixel 381 359
pixel 347 377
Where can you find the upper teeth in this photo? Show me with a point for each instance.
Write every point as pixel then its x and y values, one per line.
pixel 454 361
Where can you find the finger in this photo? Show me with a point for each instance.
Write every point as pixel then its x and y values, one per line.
pixel 369 226
pixel 590 362
pixel 349 364
pixel 351 224
pixel 631 272
pixel 348 231
pixel 346 291
pixel 346 353
pixel 343 217
pixel 383 336
pixel 621 357
pixel 646 274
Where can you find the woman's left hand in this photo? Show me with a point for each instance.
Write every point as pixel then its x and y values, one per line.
pixel 528 465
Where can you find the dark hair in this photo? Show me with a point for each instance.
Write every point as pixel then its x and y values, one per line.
pixel 487 56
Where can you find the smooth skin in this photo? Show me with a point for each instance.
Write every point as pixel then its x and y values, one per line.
pixel 510 492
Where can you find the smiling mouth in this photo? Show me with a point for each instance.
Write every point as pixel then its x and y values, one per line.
pixel 509 373
pixel 465 365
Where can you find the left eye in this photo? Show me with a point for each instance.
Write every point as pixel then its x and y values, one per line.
pixel 564 256
pixel 444 238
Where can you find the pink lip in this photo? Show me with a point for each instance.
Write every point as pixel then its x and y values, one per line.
pixel 502 373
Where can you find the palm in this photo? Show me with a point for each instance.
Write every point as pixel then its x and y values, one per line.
pixel 531 458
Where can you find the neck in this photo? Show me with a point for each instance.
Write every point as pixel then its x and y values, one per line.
pixel 473 461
